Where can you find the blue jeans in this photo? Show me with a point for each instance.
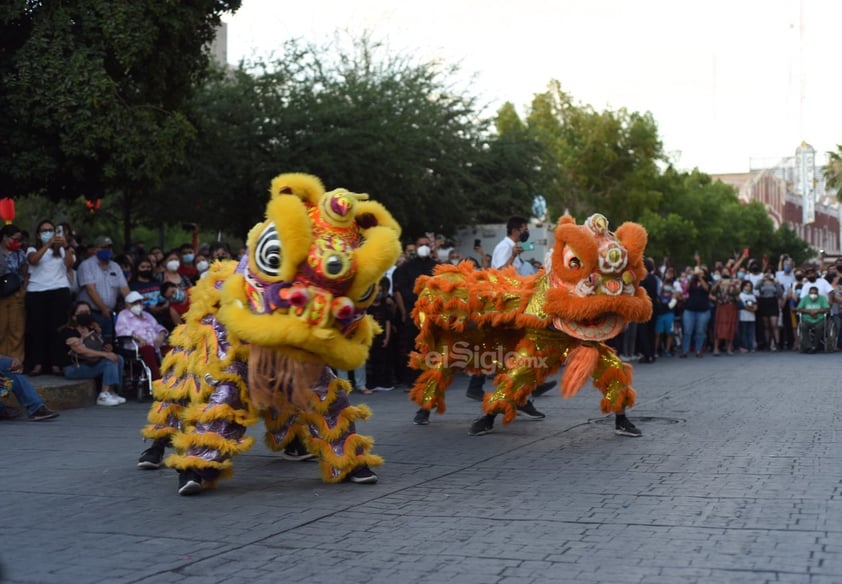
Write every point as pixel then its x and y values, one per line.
pixel 112 373
pixel 359 376
pixel 747 331
pixel 26 395
pixel 695 325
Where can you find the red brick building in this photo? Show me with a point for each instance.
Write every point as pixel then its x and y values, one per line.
pixel 774 188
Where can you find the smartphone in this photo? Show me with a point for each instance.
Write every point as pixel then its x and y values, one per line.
pixel 60 231
pixel 528 246
pixel 477 243
pixel 745 252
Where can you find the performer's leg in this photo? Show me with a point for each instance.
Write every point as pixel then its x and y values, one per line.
pixel 214 434
pixel 330 420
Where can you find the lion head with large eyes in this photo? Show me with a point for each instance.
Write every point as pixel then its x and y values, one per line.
pixel 594 278
pixel 312 270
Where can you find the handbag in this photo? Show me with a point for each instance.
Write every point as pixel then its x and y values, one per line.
pixel 92 341
pixel 10 283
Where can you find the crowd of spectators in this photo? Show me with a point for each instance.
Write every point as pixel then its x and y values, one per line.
pixel 61 296
pixel 49 281
pixel 741 305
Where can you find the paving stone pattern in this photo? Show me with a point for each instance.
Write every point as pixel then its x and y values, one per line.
pixel 736 479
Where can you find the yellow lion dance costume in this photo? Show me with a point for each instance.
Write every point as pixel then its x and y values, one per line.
pixel 525 328
pixel 262 335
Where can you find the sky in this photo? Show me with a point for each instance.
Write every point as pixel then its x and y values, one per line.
pixel 733 85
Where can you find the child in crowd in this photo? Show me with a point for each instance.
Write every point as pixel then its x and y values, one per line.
pixel 748 318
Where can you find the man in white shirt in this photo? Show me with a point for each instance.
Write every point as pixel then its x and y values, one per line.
pixel 811 275
pixel 507 252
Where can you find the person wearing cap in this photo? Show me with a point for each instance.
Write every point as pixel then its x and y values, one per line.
pixel 101 283
pixel 133 321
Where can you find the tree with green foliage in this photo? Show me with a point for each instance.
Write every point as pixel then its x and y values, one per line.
pixel 358 118
pixel 595 161
pixel 833 171
pixel 93 93
pixel 698 215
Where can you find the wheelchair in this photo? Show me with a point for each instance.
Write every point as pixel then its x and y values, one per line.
pixel 138 376
pixel 827 343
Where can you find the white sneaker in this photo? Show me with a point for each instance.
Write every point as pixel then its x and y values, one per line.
pixel 107 399
pixel 119 398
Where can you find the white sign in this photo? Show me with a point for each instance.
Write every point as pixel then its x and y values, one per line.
pixel 805 181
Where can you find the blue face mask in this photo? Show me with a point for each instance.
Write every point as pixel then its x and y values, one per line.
pixel 741 275
pixel 187 258
pixel 787 269
pixel 104 255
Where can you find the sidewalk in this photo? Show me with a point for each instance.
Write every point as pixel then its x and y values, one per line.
pixel 737 478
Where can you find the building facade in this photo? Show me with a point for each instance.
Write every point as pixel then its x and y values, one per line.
pixel 775 188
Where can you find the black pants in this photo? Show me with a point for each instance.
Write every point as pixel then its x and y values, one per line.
pixel 46 312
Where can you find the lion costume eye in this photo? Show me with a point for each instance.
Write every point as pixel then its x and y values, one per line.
pixel 337 265
pixel 571 261
pixel 267 252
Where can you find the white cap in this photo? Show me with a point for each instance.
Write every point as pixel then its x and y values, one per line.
pixel 133 297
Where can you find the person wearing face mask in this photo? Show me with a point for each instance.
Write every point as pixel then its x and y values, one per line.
pixel 171 273
pixel 177 302
pixel 418 263
pixel 201 264
pixel 133 321
pixel 47 298
pixel 812 308
pixel 101 283
pixel 507 252
pixel 187 259
pixel 14 272
pixel 811 277
pixel 89 356
pixel 145 283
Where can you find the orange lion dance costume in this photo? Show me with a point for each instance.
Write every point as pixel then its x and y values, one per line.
pixel 524 328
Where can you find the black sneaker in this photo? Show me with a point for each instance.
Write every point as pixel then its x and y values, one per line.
pixel 481 426
pixel 362 475
pixel 623 427
pixel 189 483
pixel 544 388
pixel 43 413
pixel 422 417
pixel 296 450
pixel 151 458
pixel 528 411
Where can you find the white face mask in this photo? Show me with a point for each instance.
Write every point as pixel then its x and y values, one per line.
pixel 172 265
pixel 424 251
pixel 814 296
pixel 137 309
pixel 202 266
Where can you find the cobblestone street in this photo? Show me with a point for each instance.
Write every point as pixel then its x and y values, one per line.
pixel 737 478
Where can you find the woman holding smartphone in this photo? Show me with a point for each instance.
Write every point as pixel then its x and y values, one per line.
pixel 47 298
